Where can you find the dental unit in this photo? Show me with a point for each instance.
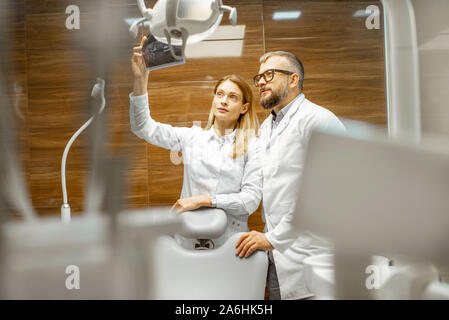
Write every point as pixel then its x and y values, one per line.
pixel 394 226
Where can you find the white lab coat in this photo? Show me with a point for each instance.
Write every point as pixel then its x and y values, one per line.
pixel 283 154
pixel 208 168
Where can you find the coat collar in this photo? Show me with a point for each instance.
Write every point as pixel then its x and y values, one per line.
pixel 294 107
pixel 210 134
pixel 267 126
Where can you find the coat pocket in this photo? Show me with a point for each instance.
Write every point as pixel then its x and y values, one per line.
pixel 279 211
pixel 284 208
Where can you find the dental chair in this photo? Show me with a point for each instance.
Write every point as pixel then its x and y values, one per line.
pixel 211 271
pixel 130 257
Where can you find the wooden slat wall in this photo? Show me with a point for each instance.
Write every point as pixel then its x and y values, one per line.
pixel 13 59
pixel 344 65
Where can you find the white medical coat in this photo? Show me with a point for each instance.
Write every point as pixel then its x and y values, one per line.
pixel 283 152
pixel 208 167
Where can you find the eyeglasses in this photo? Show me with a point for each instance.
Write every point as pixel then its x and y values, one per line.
pixel 268 75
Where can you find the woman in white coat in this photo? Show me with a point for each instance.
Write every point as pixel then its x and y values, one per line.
pixel 222 165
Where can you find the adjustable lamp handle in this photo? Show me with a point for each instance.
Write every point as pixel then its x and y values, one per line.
pixel 232 13
pixel 147 13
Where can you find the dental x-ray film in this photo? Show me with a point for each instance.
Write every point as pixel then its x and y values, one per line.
pixel 157 55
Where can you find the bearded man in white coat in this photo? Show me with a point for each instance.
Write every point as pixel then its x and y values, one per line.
pixel 284 136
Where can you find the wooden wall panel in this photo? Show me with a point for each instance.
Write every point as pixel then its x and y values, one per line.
pixel 344 72
pixel 360 99
pixel 322 19
pixel 179 101
pixel 188 101
pixel 47 30
pixel 59 6
pixel 60 76
pixel 164 184
pixel 334 58
pixel 56 67
pixel 13 59
pixel 343 60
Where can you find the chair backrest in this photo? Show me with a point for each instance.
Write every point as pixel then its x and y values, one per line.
pixel 204 223
pixel 216 274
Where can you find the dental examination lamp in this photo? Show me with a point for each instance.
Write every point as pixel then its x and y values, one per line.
pixel 182 22
pixel 98 92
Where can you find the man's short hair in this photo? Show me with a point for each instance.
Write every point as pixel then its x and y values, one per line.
pixel 293 61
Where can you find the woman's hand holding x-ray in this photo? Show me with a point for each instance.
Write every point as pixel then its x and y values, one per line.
pixel 192 203
pixel 139 72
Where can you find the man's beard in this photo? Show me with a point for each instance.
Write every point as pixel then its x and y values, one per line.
pixel 275 97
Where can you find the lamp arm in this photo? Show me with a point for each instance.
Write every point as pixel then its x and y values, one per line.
pixel 147 13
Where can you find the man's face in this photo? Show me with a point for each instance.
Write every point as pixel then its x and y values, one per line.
pixel 275 91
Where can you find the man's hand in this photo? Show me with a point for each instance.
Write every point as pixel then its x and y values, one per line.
pixel 192 203
pixel 250 242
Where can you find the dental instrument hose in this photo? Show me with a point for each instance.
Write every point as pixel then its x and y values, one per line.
pixel 97 90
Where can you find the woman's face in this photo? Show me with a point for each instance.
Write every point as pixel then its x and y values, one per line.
pixel 228 102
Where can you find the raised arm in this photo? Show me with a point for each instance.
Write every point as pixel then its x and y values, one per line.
pixel 142 125
pixel 140 74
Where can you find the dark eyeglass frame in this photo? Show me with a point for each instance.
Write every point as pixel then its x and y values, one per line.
pixel 257 78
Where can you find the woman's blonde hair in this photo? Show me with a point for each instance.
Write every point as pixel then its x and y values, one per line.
pixel 247 124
